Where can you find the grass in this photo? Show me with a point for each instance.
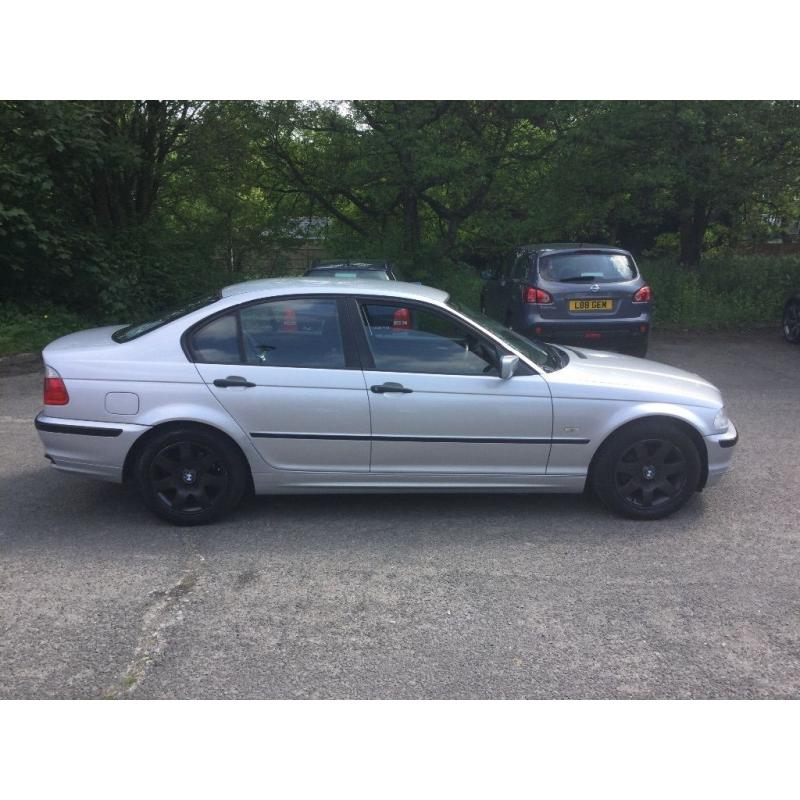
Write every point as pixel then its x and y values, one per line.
pixel 29 331
pixel 722 293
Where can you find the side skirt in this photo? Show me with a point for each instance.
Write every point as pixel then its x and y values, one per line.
pixel 330 483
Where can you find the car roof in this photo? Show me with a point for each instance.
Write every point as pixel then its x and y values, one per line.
pixel 571 246
pixel 267 287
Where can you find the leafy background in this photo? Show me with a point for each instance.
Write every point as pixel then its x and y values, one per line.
pixel 110 211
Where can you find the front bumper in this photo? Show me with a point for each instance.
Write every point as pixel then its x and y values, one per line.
pixel 720 453
pixel 90 448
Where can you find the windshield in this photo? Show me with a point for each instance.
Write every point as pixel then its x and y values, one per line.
pixel 140 328
pixel 544 355
pixel 587 267
pixel 369 274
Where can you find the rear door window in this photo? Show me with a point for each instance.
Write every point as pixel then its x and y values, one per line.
pixel 302 332
pixel 587 267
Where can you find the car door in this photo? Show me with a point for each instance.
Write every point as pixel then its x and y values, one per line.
pixel 283 370
pixel 437 402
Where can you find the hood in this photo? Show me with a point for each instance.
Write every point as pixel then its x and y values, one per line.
pixel 610 376
pixel 93 337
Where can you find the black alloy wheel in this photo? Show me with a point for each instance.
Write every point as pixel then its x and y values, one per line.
pixel 191 475
pixel 188 477
pixel 647 469
pixel 650 473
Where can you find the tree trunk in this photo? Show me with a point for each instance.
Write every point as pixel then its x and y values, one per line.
pixel 411 233
pixel 693 224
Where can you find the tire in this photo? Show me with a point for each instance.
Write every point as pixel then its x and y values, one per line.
pixel 191 475
pixel 647 470
pixel 639 349
pixel 791 322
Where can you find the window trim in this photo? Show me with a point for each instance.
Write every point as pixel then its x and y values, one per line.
pixel 365 352
pixel 350 351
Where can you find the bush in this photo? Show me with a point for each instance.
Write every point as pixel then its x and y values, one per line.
pixel 27 331
pixel 737 291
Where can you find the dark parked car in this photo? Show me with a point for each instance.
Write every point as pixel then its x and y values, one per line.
pixel 791 319
pixel 362 268
pixel 581 294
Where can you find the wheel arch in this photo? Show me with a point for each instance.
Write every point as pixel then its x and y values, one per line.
pixel 162 427
pixel 682 424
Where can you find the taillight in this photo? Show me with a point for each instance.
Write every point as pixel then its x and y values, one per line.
pixel 289 320
pixel 55 392
pixel 644 295
pixel 530 294
pixel 401 318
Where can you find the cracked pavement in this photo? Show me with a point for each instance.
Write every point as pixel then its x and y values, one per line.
pixel 429 596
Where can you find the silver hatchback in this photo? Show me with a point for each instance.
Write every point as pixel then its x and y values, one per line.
pixel 305 385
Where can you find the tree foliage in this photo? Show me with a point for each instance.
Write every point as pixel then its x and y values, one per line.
pixel 106 207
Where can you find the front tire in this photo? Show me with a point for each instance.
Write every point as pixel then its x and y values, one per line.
pixel 791 322
pixel 190 475
pixel 647 470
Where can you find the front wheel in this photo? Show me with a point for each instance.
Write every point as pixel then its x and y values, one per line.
pixel 647 470
pixel 791 322
pixel 191 476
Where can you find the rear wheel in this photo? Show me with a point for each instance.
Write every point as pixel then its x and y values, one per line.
pixel 791 322
pixel 191 476
pixel 639 348
pixel 647 470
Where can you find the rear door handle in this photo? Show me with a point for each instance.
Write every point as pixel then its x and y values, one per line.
pixel 383 388
pixel 233 380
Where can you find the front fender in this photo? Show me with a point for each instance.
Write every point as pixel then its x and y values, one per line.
pixel 595 420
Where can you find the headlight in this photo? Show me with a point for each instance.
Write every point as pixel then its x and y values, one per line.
pixel 721 421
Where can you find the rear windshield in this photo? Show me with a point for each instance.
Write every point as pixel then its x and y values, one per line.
pixel 374 274
pixel 140 328
pixel 587 267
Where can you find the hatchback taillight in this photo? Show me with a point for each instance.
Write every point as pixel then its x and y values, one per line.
pixel 644 295
pixel 530 294
pixel 55 392
pixel 401 318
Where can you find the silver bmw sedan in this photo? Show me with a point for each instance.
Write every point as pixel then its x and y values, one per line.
pixel 316 385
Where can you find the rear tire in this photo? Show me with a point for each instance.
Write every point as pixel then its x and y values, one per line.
pixel 639 348
pixel 647 470
pixel 191 475
pixel 791 322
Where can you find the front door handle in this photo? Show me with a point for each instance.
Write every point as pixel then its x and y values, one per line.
pixel 383 388
pixel 233 380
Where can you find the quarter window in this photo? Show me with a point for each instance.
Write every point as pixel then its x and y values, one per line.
pixel 217 342
pixel 416 339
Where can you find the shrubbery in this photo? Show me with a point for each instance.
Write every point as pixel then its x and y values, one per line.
pixel 736 291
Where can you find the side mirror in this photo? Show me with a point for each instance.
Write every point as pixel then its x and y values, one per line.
pixel 487 274
pixel 508 366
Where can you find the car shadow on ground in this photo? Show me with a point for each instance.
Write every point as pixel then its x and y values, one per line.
pixel 45 505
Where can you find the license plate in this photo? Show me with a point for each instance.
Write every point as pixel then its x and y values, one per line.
pixel 591 305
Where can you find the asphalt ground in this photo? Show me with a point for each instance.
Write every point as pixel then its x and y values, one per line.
pixel 420 596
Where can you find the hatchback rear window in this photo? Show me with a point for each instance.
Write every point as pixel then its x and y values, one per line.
pixel 587 267
pixel 369 274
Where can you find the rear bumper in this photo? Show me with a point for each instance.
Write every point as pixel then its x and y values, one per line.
pixel 600 333
pixel 90 448
pixel 720 448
